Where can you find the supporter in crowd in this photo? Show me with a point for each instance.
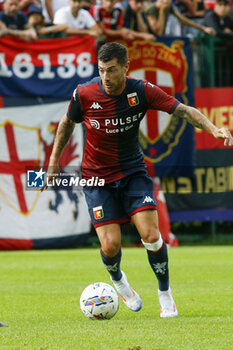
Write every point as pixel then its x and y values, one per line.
pixel 109 17
pixel 220 20
pixel 14 22
pixel 79 21
pixel 36 20
pixel 135 19
pixel 51 6
pixel 165 19
pixel 194 10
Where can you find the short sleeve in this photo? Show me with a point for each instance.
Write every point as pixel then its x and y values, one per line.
pixel 95 12
pixel 60 17
pixel 75 112
pixel 90 22
pixel 158 99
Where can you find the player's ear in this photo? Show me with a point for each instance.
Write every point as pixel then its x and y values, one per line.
pixel 127 67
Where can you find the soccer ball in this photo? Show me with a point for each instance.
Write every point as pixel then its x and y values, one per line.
pixel 99 301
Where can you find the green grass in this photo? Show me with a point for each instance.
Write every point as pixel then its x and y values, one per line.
pixel 40 293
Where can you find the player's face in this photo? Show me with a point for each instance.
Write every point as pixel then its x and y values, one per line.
pixel 113 76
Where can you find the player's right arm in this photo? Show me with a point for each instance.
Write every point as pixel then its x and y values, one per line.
pixel 63 134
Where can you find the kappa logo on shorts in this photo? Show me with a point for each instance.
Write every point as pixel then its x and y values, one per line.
pixel 148 199
pixel 133 99
pixel 98 212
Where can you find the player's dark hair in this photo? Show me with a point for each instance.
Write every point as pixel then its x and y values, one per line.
pixel 109 51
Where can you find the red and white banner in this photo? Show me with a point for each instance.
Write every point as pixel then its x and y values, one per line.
pixel 26 137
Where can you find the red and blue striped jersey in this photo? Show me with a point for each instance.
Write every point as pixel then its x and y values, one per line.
pixel 112 149
pixel 111 20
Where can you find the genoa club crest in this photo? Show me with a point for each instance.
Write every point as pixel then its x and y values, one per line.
pixel 98 212
pixel 133 99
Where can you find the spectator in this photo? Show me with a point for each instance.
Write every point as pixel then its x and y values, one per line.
pixel 162 19
pixel 14 22
pixel 194 10
pixel 109 17
pixel 79 21
pixel 51 6
pixel 36 21
pixel 220 20
pixel 135 19
pixel 162 16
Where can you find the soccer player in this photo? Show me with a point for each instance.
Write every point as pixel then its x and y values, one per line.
pixel 111 107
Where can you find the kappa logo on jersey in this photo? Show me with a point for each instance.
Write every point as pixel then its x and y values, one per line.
pixel 94 123
pixel 133 99
pixel 96 105
pixel 98 212
pixel 148 199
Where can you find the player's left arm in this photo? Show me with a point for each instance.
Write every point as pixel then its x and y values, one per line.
pixel 197 119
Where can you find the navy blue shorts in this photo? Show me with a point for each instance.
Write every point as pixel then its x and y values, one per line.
pixel 116 202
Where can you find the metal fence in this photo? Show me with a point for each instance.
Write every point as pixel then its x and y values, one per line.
pixel 213 61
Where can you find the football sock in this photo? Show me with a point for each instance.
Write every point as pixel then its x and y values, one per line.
pixel 112 264
pixel 158 259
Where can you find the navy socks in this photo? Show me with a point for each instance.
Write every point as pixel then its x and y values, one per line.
pixel 112 264
pixel 159 263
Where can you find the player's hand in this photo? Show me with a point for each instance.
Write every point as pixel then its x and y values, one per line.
pixel 52 173
pixel 224 134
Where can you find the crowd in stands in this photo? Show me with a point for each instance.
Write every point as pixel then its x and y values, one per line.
pixel 126 19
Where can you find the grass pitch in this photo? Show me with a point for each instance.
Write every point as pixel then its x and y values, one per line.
pixel 40 293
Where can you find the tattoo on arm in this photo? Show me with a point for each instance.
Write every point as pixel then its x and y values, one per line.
pixel 194 117
pixel 64 132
